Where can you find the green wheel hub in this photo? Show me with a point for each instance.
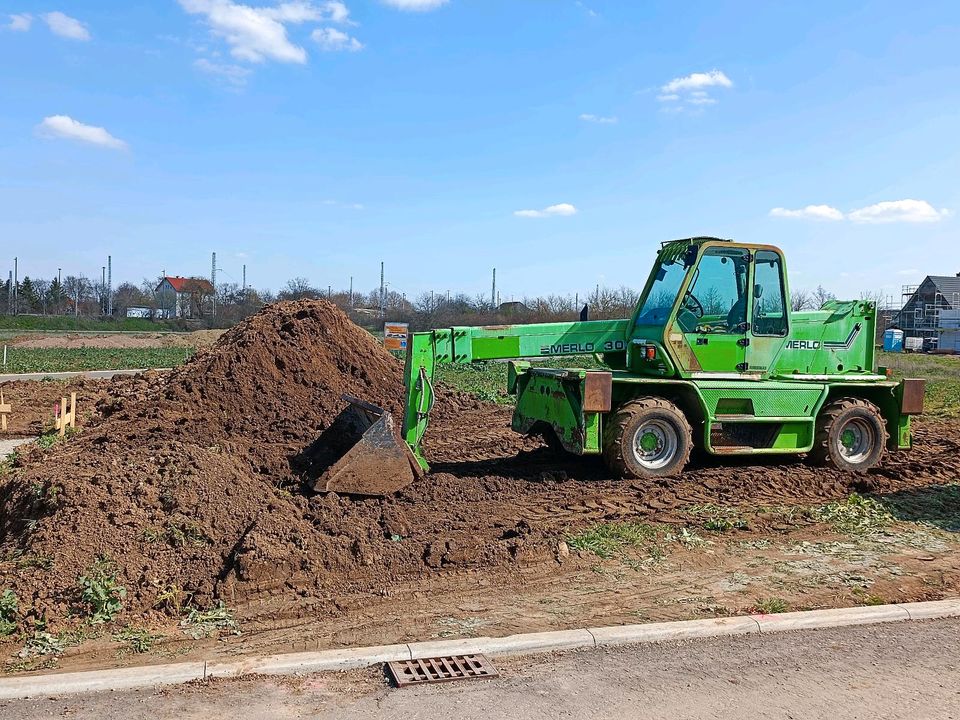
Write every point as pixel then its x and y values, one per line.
pixel 648 442
pixel 655 443
pixel 857 439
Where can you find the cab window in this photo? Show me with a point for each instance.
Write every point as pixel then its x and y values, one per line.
pixel 769 308
pixel 717 299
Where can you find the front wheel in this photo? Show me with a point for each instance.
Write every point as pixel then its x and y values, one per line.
pixel 851 436
pixel 647 438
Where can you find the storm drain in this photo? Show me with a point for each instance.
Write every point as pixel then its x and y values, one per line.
pixel 441 669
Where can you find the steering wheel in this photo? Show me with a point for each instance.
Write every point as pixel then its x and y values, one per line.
pixel 691 303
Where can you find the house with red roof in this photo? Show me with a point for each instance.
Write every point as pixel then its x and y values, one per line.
pixel 185 297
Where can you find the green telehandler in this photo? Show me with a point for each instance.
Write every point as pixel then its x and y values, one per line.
pixel 712 357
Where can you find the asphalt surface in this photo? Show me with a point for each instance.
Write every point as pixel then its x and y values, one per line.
pixel 897 670
pixel 8 446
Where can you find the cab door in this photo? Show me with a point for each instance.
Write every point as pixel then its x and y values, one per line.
pixel 713 311
pixel 769 315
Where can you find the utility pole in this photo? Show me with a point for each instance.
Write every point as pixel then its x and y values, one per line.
pixel 383 296
pixel 213 281
pixel 351 292
pixel 10 294
pixel 103 289
pixel 244 281
pixel 110 285
pixel 16 281
pixel 493 289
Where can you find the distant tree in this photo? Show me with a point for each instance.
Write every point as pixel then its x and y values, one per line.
pixel 26 296
pixel 128 295
pixel 41 291
pixel 821 296
pixel 298 288
pixel 79 295
pixel 801 300
pixel 874 296
pixel 55 296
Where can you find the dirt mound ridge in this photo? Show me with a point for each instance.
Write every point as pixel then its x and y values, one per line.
pixel 180 484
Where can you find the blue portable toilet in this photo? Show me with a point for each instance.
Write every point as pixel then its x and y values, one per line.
pixel 893 340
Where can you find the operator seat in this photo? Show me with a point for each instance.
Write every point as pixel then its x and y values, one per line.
pixel 738 313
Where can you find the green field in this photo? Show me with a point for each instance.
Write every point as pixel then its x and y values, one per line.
pixel 59 323
pixel 488 381
pixel 942 373
pixel 32 360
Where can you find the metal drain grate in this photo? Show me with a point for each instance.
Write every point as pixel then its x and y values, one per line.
pixel 441 669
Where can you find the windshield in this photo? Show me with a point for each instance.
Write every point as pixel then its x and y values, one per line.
pixel 669 276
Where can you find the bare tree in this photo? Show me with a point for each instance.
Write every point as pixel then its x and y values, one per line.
pixel 298 288
pixel 801 300
pixel 875 296
pixel 821 296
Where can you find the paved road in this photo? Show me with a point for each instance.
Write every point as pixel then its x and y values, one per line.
pixel 8 446
pixel 902 670
pixel 93 374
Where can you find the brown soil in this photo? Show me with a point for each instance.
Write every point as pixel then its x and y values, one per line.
pixel 191 482
pixel 195 339
pixel 32 403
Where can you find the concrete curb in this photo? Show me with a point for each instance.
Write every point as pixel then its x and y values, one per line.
pixel 331 660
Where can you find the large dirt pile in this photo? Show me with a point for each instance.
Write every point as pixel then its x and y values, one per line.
pixel 182 483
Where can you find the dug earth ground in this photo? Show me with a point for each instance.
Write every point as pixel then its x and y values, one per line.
pixel 504 536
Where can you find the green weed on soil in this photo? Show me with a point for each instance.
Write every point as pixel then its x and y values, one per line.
pixel 35 360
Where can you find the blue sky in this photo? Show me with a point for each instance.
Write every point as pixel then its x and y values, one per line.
pixel 557 141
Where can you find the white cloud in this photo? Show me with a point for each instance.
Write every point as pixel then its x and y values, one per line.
pixel 815 212
pixel 890 211
pixel 908 271
pixel 696 81
pixel 690 89
pixel 63 126
pixel 235 75
pixel 20 22
pixel 333 39
pixel 599 119
pixel 415 5
pixel 559 210
pixel 66 26
pixel 259 34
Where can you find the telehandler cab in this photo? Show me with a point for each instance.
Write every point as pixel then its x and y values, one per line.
pixel 711 357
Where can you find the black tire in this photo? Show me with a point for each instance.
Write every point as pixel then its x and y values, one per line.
pixel 851 436
pixel 664 428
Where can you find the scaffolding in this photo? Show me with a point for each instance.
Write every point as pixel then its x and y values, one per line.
pixel 924 309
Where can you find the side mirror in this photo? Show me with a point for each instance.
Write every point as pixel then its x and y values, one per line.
pixel 585 313
pixel 758 291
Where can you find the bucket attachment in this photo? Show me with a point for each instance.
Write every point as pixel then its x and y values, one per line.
pixel 379 463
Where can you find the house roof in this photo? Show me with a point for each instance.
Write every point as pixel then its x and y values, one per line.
pixel 189 285
pixel 947 285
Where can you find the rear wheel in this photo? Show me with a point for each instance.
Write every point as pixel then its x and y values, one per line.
pixel 851 436
pixel 646 438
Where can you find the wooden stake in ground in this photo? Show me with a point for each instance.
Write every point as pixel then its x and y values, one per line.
pixel 64 417
pixel 5 410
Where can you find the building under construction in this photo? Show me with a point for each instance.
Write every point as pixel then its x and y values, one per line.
pixel 932 310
